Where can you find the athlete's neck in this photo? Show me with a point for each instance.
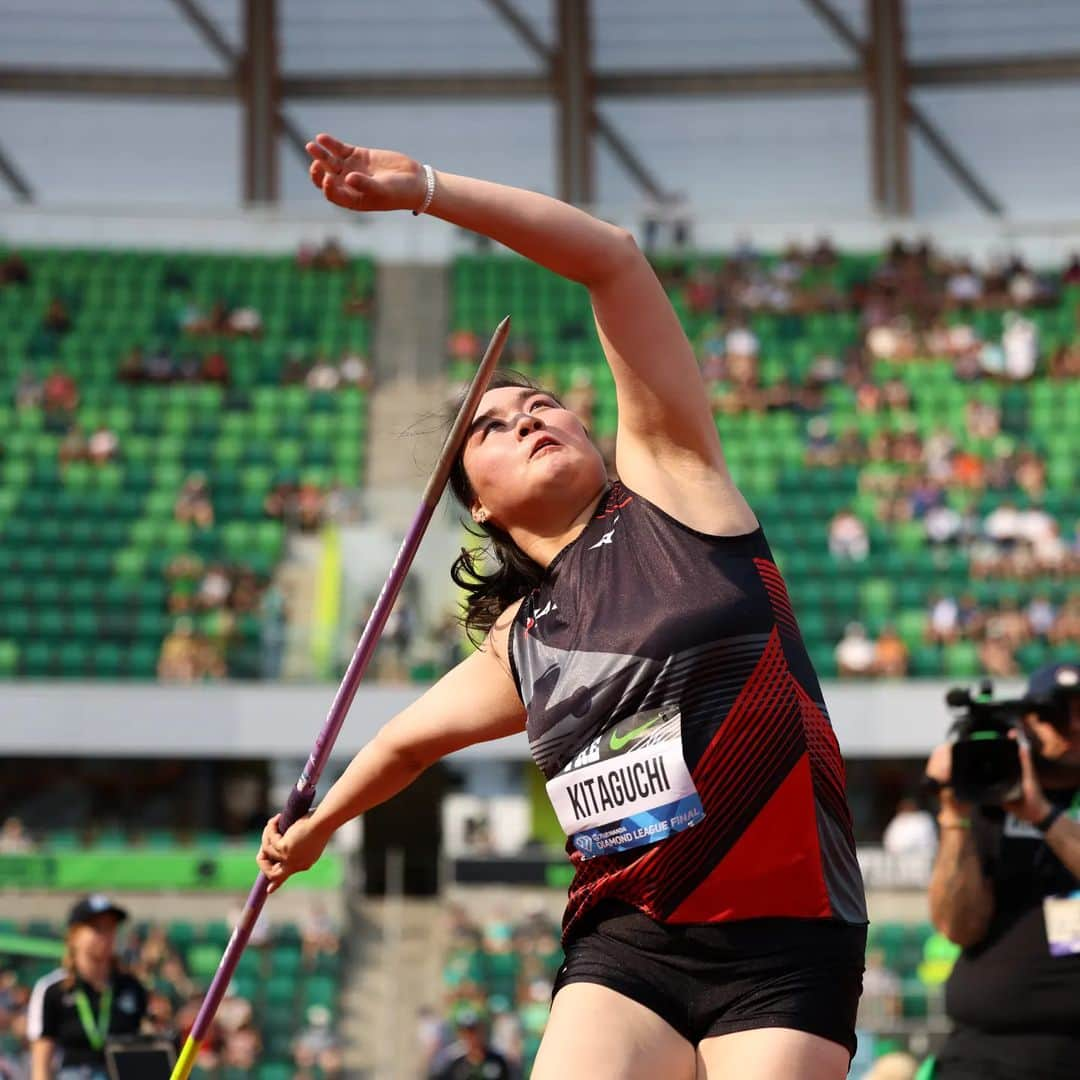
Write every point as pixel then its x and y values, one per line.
pixel 543 540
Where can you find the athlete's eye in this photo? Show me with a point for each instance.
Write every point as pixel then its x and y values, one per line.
pixel 541 403
pixel 490 426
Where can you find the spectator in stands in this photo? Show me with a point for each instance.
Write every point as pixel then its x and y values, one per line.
pixel 215 368
pixel 57 319
pixel 273 631
pixel 880 1005
pixel 463 344
pixel 244 322
pixel 183 573
pixel 821 447
pixel 310 504
pixel 60 396
pixel 322 376
pixel 102 446
pixel 970 617
pixel 890 655
pixel 73 446
pixel 193 502
pixel 14 839
pixel 943 624
pixel 1020 345
pixel 317 1047
pixel 1040 614
pixel 848 538
pixel 29 391
pixel 13 270
pixel 132 368
pixel 894 1065
pixel 214 588
pixel 180 659
pixel 354 370
pixel 911 831
pixel 996 655
pixel 1066 628
pixel 159 365
pixel 855 655
pixel 471 1055
pixel 293 371
pixel 1009 623
pixel 318 934
pixel 1065 361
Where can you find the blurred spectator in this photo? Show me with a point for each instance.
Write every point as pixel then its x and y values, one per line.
pixel 102 446
pixel 944 620
pixel 13 270
pixel 881 997
pixel 821 448
pixel 996 657
pixel 890 655
pixel 310 501
pixel 912 830
pixel 183 573
pixel 132 367
pixel 244 322
pixel 471 1055
pixel 318 934
pixel 60 394
pixel 193 502
pixel 1040 614
pixel 214 589
pixel 57 320
pixel 14 839
pixel 1066 628
pixel 215 368
pixel 159 365
pixel 894 1065
pixel 322 376
pixel 848 538
pixel 317 1047
pixel 855 655
pixel 354 370
pixel 293 371
pixel 273 629
pixel 970 617
pixel 1020 343
pixel 463 345
pixel 29 391
pixel 73 446
pixel 180 658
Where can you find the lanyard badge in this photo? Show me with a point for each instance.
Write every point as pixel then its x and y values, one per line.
pixel 96 1028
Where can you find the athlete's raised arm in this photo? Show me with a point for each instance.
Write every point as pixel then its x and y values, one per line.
pixel 668 448
pixel 474 702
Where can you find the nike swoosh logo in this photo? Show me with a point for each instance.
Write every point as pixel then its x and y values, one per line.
pixel 617 741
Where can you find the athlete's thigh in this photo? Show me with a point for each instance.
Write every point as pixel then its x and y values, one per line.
pixel 768 1053
pixel 598 1033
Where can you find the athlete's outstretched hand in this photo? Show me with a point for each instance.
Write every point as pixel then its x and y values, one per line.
pixel 282 856
pixel 359 178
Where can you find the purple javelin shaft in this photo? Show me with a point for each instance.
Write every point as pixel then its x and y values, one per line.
pixel 303 794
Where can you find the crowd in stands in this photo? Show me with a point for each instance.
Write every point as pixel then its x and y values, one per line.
pixel 497 980
pixel 242 1037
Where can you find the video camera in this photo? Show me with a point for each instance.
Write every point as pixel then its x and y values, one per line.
pixel 985 758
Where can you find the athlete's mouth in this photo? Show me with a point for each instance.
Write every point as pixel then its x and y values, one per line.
pixel 541 442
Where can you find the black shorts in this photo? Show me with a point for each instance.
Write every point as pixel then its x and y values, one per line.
pixel 716 978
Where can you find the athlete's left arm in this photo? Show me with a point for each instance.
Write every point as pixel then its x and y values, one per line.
pixel 667 446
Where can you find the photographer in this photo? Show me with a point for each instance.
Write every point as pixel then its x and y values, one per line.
pixel 1000 888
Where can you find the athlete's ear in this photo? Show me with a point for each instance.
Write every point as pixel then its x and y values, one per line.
pixel 479 514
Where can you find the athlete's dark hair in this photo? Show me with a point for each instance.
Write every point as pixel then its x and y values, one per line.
pixel 497 573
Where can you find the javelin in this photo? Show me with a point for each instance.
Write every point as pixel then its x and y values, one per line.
pixel 303 794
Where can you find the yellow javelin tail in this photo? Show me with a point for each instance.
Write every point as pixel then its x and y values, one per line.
pixel 186 1061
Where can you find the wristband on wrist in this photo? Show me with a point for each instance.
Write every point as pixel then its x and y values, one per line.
pixel 429 190
pixel 952 821
pixel 1047 822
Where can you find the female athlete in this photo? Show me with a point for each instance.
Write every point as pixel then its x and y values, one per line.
pixel 641 634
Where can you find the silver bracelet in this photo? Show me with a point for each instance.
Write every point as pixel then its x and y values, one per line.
pixel 429 193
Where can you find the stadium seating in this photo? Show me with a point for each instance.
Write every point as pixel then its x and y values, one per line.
pixel 767 450
pixel 83 547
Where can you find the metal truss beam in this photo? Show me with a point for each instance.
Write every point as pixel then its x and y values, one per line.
pixel 930 133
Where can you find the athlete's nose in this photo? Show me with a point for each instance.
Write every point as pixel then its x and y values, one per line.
pixel 527 423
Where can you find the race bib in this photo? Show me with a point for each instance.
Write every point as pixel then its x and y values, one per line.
pixel 627 788
pixel 1062 915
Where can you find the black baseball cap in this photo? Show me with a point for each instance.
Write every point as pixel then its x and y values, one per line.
pixel 89 907
pixel 1054 682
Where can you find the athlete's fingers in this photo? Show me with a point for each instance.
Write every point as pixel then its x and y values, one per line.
pixel 334 147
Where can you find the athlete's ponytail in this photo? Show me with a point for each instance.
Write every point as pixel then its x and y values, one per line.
pixel 497 573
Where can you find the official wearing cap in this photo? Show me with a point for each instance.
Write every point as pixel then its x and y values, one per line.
pixel 75 1009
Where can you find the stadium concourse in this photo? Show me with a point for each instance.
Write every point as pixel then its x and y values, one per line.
pixel 186 439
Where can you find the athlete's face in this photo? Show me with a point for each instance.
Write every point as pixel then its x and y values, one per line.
pixel 525 450
pixel 94 941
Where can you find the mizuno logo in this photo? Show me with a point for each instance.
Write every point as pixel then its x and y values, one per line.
pixel 617 741
pixel 606 538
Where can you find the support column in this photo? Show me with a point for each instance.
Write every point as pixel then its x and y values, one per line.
pixel 574 102
pixel 261 89
pixel 887 83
